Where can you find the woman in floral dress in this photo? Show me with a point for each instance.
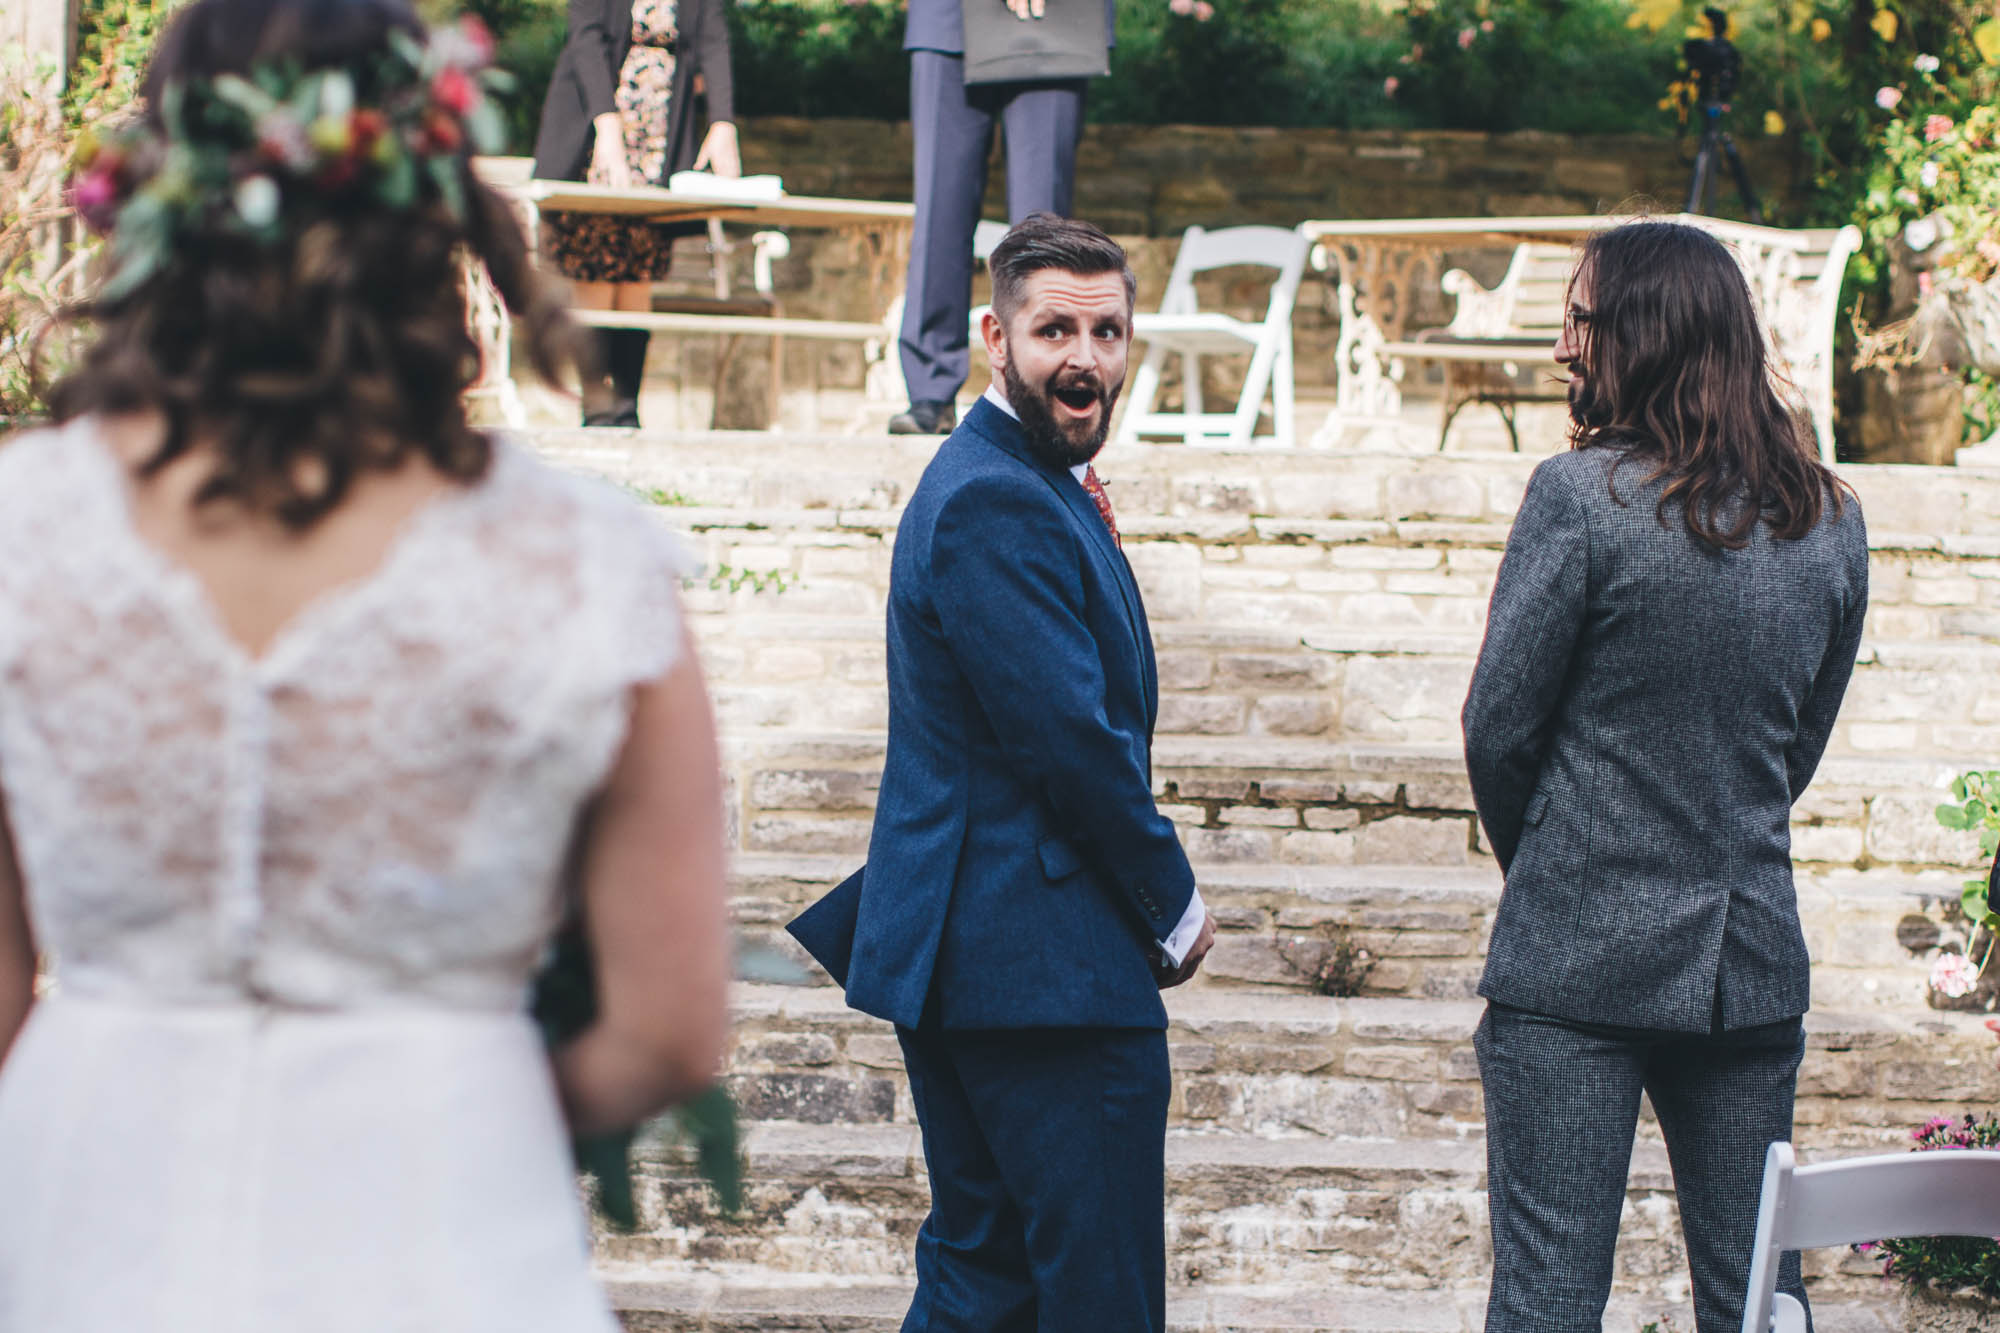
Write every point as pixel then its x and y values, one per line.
pixel 620 112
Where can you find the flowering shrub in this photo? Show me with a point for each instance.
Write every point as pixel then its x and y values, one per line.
pixel 1975 806
pixel 1947 1263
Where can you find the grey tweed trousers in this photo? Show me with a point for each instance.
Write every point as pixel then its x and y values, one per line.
pixel 1562 1107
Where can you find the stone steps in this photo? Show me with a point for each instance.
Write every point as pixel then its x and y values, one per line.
pixel 757 1300
pixel 845 1201
pixel 760 1301
pixel 1426 926
pixel 1261 1062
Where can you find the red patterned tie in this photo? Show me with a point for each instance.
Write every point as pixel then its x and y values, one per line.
pixel 1103 502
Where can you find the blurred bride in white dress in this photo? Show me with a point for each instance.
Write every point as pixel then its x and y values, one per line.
pixel 316 707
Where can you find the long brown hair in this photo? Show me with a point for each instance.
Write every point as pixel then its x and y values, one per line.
pixel 338 348
pixel 1672 369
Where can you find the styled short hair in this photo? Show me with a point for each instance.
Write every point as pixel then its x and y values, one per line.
pixel 1674 371
pixel 1046 240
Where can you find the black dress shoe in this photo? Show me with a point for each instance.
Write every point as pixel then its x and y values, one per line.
pixel 925 417
pixel 619 415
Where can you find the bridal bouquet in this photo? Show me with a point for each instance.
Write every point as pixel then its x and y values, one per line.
pixel 564 1004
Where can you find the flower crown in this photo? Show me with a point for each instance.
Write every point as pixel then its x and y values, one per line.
pixel 258 156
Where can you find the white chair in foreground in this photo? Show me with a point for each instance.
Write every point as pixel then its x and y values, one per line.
pixel 1182 329
pixel 1950 1192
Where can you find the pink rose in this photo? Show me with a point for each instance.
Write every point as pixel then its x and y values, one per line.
pixel 1936 128
pixel 95 199
pixel 1390 85
pixel 1952 975
pixel 1181 7
pixel 1887 98
pixel 1486 25
pixel 1203 11
pixel 453 90
pixel 1466 37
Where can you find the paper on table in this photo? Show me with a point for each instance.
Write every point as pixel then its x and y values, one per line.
pixel 710 185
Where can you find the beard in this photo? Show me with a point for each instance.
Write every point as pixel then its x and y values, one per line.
pixel 1061 444
pixel 1586 408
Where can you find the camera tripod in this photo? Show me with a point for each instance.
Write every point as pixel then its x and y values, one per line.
pixel 1715 142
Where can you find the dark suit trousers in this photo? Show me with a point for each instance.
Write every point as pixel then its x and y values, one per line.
pixel 1562 1105
pixel 953 127
pixel 1046 1150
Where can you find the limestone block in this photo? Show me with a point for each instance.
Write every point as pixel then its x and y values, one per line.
pixel 1202 714
pixel 1292 715
pixel 1370 791
pixel 760 558
pixel 1191 1056
pixel 1385 558
pixel 1275 556
pixel 1185 814
pixel 821 562
pixel 1337 580
pixel 1438 794
pixel 1275 671
pixel 1257 959
pixel 1280 610
pixel 875 1050
pixel 1903 827
pixel 1375 610
pixel 1261 816
pixel 817 1099
pixel 1226 846
pixel 1300 789
pixel 1943 591
pixel 1242 577
pixel 1462 1064
pixel 1330 819
pixel 1826 842
pixel 1407 840
pixel 737 708
pixel 789 833
pixel 1169 577
pixel 1503 493
pixel 1437 494
pixel 1349 1108
pixel 1220 495
pixel 1454 1100
pixel 786 1048
pixel 1185 670
pixel 1823 1074
pixel 1316 848
pixel 1440 585
pixel 1933 1081
pixel 783 662
pixel 1343 494
pixel 1452 983
pixel 1404 698
pixel 1396 1063
pixel 1483 562
pixel 812 789
pixel 1213 789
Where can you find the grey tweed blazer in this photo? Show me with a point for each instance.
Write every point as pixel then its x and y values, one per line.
pixel 1643 714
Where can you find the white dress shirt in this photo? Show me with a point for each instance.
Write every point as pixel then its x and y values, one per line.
pixel 1176 945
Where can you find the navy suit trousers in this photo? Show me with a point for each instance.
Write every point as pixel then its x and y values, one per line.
pixel 953 127
pixel 1046 1150
pixel 1562 1105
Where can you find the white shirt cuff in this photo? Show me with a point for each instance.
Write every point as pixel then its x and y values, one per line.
pixel 1176 945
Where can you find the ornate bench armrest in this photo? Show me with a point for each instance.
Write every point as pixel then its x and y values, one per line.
pixel 1481 313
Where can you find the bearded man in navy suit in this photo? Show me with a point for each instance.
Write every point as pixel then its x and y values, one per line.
pixel 1024 901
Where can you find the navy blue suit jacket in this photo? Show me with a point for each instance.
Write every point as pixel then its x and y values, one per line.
pixel 1019 874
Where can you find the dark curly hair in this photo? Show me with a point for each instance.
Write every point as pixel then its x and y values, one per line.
pixel 1673 371
pixel 338 349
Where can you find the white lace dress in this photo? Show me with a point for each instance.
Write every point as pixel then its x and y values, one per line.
pixel 286 1083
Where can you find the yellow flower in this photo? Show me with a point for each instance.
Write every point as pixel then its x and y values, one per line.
pixel 1884 24
pixel 1773 123
pixel 1653 14
pixel 1821 30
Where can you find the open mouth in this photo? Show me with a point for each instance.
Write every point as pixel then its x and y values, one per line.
pixel 1079 399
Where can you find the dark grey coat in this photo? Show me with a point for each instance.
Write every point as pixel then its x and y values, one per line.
pixel 1644 713
pixel 586 80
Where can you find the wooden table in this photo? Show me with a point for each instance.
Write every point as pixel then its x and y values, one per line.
pixel 882 227
pixel 1380 265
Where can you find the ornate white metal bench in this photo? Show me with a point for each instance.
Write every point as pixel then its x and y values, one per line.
pixel 1793 275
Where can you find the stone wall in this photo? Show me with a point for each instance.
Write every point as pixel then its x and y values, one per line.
pixel 1157 180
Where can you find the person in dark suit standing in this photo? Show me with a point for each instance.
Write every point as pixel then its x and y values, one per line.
pixel 620 111
pixel 952 125
pixel 1672 629
pixel 1024 901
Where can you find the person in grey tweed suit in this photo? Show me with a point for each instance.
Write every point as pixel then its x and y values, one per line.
pixel 1672 628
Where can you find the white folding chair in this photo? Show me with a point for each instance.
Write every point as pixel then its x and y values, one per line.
pixel 1949 1192
pixel 1182 329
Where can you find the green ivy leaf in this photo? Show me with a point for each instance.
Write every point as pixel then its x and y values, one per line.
pixel 1953 817
pixel 1973 901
